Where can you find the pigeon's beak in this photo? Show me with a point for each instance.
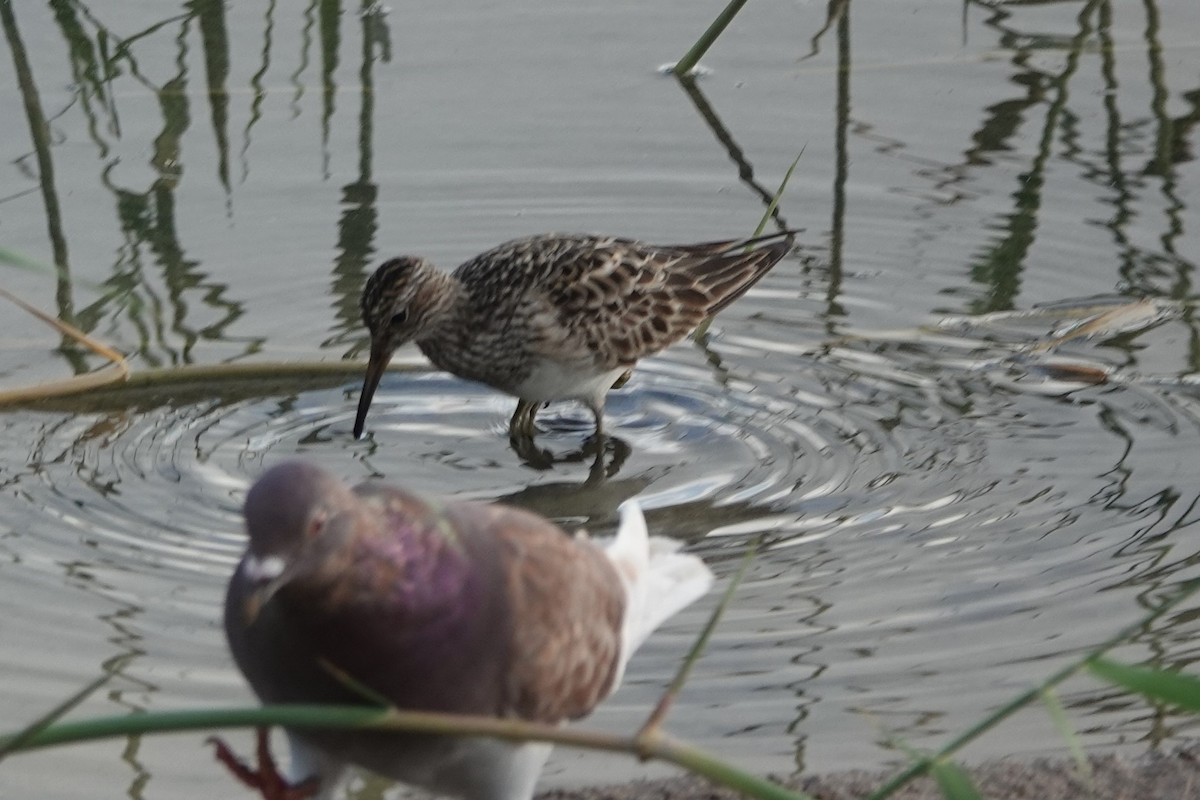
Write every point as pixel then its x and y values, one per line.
pixel 380 356
pixel 257 599
pixel 267 577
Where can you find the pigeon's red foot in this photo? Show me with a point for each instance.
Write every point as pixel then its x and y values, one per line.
pixel 265 777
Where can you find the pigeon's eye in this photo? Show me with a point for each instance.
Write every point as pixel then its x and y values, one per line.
pixel 399 318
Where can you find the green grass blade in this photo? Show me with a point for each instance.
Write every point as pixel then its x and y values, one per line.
pixel 1058 715
pixel 1167 687
pixel 176 721
pixel 787 176
pixel 657 745
pixel 20 738
pixel 14 259
pixel 664 704
pixel 702 329
pixel 718 771
pixel 954 781
pixel 1184 591
pixel 697 51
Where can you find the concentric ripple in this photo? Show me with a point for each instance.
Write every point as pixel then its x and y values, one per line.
pixel 155 485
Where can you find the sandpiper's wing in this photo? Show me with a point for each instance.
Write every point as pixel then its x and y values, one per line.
pixel 618 300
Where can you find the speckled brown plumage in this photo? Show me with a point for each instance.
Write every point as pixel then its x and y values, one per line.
pixel 555 316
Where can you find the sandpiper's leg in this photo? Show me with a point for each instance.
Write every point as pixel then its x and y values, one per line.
pixel 514 424
pixel 521 424
pixel 622 379
pixel 595 444
pixel 527 427
pixel 265 776
pixel 597 407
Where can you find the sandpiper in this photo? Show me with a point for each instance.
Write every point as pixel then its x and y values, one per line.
pixel 439 606
pixel 555 317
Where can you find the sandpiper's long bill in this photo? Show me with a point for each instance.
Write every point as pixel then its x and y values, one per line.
pixel 555 317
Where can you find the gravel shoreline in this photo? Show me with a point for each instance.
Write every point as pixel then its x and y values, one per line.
pixel 1173 775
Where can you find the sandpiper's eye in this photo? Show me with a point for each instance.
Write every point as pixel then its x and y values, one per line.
pixel 400 317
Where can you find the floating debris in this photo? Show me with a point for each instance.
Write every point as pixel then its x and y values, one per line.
pixel 697 71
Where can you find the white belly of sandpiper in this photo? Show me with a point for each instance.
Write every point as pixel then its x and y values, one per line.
pixel 552 380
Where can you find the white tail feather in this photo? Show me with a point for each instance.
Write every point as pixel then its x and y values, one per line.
pixel 659 581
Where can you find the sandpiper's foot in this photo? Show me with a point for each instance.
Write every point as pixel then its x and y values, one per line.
pixel 521 431
pixel 265 777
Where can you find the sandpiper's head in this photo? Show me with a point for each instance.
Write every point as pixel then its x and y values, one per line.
pixel 398 301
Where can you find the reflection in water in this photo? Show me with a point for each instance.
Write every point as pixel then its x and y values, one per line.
pixel 589 503
pixel 147 217
pixel 835 11
pixel 328 34
pixel 999 268
pixel 607 454
pixel 841 116
pixel 945 512
pixel 736 153
pixel 256 85
pixel 122 687
pixel 39 134
pixel 215 40
pixel 359 221
pixel 296 78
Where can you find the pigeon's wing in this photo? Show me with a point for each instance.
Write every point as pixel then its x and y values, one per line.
pixel 567 606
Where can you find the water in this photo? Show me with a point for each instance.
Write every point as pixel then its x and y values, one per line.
pixel 947 519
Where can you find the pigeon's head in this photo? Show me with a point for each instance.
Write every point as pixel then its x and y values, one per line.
pixel 290 505
pixel 287 510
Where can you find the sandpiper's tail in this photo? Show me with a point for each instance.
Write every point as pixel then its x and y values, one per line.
pixel 659 580
pixel 786 236
pixel 723 271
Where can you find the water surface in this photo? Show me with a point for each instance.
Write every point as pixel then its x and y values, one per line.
pixel 946 519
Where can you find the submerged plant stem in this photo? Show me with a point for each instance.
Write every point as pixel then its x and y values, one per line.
pixel 114 379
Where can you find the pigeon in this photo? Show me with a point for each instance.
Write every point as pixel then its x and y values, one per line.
pixel 357 595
